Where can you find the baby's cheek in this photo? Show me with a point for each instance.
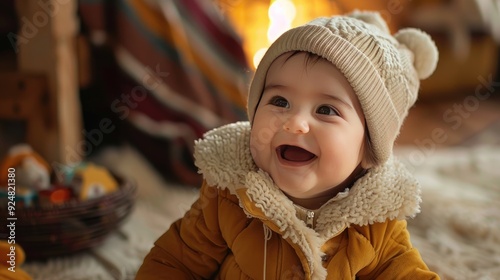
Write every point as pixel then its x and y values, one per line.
pixel 261 148
pixel 255 149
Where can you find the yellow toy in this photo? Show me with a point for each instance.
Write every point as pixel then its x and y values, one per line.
pixel 11 258
pixel 92 181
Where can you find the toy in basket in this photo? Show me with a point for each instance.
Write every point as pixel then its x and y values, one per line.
pixel 65 216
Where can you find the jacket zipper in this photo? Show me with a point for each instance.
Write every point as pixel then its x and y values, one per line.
pixel 310 219
pixel 267 236
pixel 278 268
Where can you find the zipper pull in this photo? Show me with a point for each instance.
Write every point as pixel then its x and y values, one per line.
pixel 310 219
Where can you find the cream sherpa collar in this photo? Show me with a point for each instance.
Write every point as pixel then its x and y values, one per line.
pixel 384 192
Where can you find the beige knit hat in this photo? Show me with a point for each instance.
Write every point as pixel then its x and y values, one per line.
pixel 384 71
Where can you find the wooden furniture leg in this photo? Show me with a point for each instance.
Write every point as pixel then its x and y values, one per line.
pixel 46 45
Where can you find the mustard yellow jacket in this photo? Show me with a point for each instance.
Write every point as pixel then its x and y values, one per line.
pixel 244 227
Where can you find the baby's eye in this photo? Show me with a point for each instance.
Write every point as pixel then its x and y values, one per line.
pixel 279 101
pixel 327 110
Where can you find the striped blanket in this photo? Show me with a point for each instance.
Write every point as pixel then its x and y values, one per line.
pixel 173 70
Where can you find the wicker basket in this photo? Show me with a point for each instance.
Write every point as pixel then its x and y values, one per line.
pixel 64 229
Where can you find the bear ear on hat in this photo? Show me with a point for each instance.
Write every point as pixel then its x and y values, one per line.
pixel 372 18
pixel 425 52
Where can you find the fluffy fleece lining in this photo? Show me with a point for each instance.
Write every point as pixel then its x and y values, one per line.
pixel 385 192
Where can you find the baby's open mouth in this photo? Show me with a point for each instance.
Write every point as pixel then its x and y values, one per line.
pixel 294 153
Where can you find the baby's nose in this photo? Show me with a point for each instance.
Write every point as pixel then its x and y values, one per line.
pixel 296 124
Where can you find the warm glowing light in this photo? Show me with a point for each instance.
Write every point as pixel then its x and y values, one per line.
pixel 258 56
pixel 281 14
pixel 282 9
pixel 250 20
pixel 275 30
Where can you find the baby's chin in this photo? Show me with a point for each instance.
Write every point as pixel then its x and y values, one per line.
pixel 315 200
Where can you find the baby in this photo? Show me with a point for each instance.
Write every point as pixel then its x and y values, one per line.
pixel 308 189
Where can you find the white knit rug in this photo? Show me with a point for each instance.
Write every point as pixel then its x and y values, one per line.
pixel 457 233
pixel 458 230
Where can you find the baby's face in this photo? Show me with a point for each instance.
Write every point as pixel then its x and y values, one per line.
pixel 308 129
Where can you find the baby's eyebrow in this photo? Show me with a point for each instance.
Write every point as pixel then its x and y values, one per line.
pixel 334 97
pixel 274 86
